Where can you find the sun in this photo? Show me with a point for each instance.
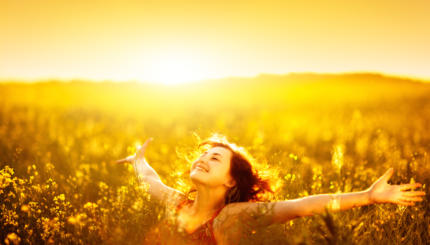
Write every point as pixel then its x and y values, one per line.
pixel 176 67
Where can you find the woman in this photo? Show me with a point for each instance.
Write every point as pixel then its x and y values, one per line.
pixel 229 194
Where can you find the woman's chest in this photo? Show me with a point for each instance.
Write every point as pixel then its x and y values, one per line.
pixel 192 223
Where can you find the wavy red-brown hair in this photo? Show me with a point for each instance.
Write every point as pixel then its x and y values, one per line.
pixel 250 186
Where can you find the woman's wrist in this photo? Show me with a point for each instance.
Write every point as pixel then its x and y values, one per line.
pixel 369 197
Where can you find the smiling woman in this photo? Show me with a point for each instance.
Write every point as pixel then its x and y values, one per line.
pixel 228 204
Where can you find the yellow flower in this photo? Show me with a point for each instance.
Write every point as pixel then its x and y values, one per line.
pixel 60 197
pixel 12 238
pixel 90 205
pixel 25 208
pixel 102 185
pixel 72 220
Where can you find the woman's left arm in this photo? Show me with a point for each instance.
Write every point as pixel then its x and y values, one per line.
pixel 379 192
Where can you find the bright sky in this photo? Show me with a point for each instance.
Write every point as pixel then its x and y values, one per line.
pixel 173 41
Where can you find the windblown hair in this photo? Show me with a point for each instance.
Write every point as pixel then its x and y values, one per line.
pixel 249 185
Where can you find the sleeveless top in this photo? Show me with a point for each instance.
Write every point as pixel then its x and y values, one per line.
pixel 168 231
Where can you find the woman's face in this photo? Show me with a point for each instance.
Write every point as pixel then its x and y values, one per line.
pixel 212 168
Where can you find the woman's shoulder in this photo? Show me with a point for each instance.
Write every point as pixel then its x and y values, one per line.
pixel 235 220
pixel 176 202
pixel 239 213
pixel 226 228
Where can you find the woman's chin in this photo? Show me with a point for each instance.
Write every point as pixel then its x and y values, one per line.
pixel 197 176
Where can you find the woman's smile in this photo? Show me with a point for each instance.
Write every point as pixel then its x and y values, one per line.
pixel 202 167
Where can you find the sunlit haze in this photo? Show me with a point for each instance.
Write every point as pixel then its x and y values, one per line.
pixel 175 41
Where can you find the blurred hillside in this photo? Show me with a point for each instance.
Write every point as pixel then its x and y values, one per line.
pixel 272 91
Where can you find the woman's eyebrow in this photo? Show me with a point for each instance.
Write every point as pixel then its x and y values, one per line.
pixel 216 153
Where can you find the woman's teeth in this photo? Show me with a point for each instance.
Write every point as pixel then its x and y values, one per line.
pixel 200 168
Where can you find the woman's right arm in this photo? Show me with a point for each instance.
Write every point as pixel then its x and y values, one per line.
pixel 156 188
pixel 147 175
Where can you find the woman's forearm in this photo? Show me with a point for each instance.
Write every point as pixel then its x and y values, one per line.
pixel 144 170
pixel 316 204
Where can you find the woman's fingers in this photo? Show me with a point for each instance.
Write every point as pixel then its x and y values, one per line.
pixel 412 199
pixel 120 161
pixel 404 203
pixel 413 193
pixel 141 150
pixel 408 198
pixel 126 160
pixel 409 186
pixel 139 154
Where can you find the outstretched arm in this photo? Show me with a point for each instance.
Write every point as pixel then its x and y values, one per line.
pixel 147 175
pixel 278 212
pixel 379 192
pixel 316 204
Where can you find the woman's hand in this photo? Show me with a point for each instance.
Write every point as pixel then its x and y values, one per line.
pixel 141 167
pixel 382 192
pixel 139 155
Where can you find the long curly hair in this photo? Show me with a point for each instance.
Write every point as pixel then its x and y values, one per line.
pixel 250 186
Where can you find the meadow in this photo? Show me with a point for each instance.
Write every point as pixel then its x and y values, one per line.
pixel 315 133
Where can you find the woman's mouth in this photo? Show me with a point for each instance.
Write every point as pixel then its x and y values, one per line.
pixel 201 167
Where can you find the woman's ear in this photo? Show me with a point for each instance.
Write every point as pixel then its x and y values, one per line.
pixel 230 183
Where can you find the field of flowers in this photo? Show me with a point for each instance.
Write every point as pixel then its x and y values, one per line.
pixel 316 133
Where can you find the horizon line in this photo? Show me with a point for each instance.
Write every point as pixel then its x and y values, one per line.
pixel 77 79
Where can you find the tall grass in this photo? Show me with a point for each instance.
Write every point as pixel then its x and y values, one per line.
pixel 58 182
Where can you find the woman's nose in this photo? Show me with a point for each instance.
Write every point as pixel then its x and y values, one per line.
pixel 200 160
pixel 203 160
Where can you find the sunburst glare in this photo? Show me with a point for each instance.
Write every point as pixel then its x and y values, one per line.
pixel 178 66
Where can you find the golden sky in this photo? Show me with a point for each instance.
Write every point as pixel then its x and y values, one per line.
pixel 178 40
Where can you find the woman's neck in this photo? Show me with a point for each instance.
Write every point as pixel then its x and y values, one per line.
pixel 208 201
